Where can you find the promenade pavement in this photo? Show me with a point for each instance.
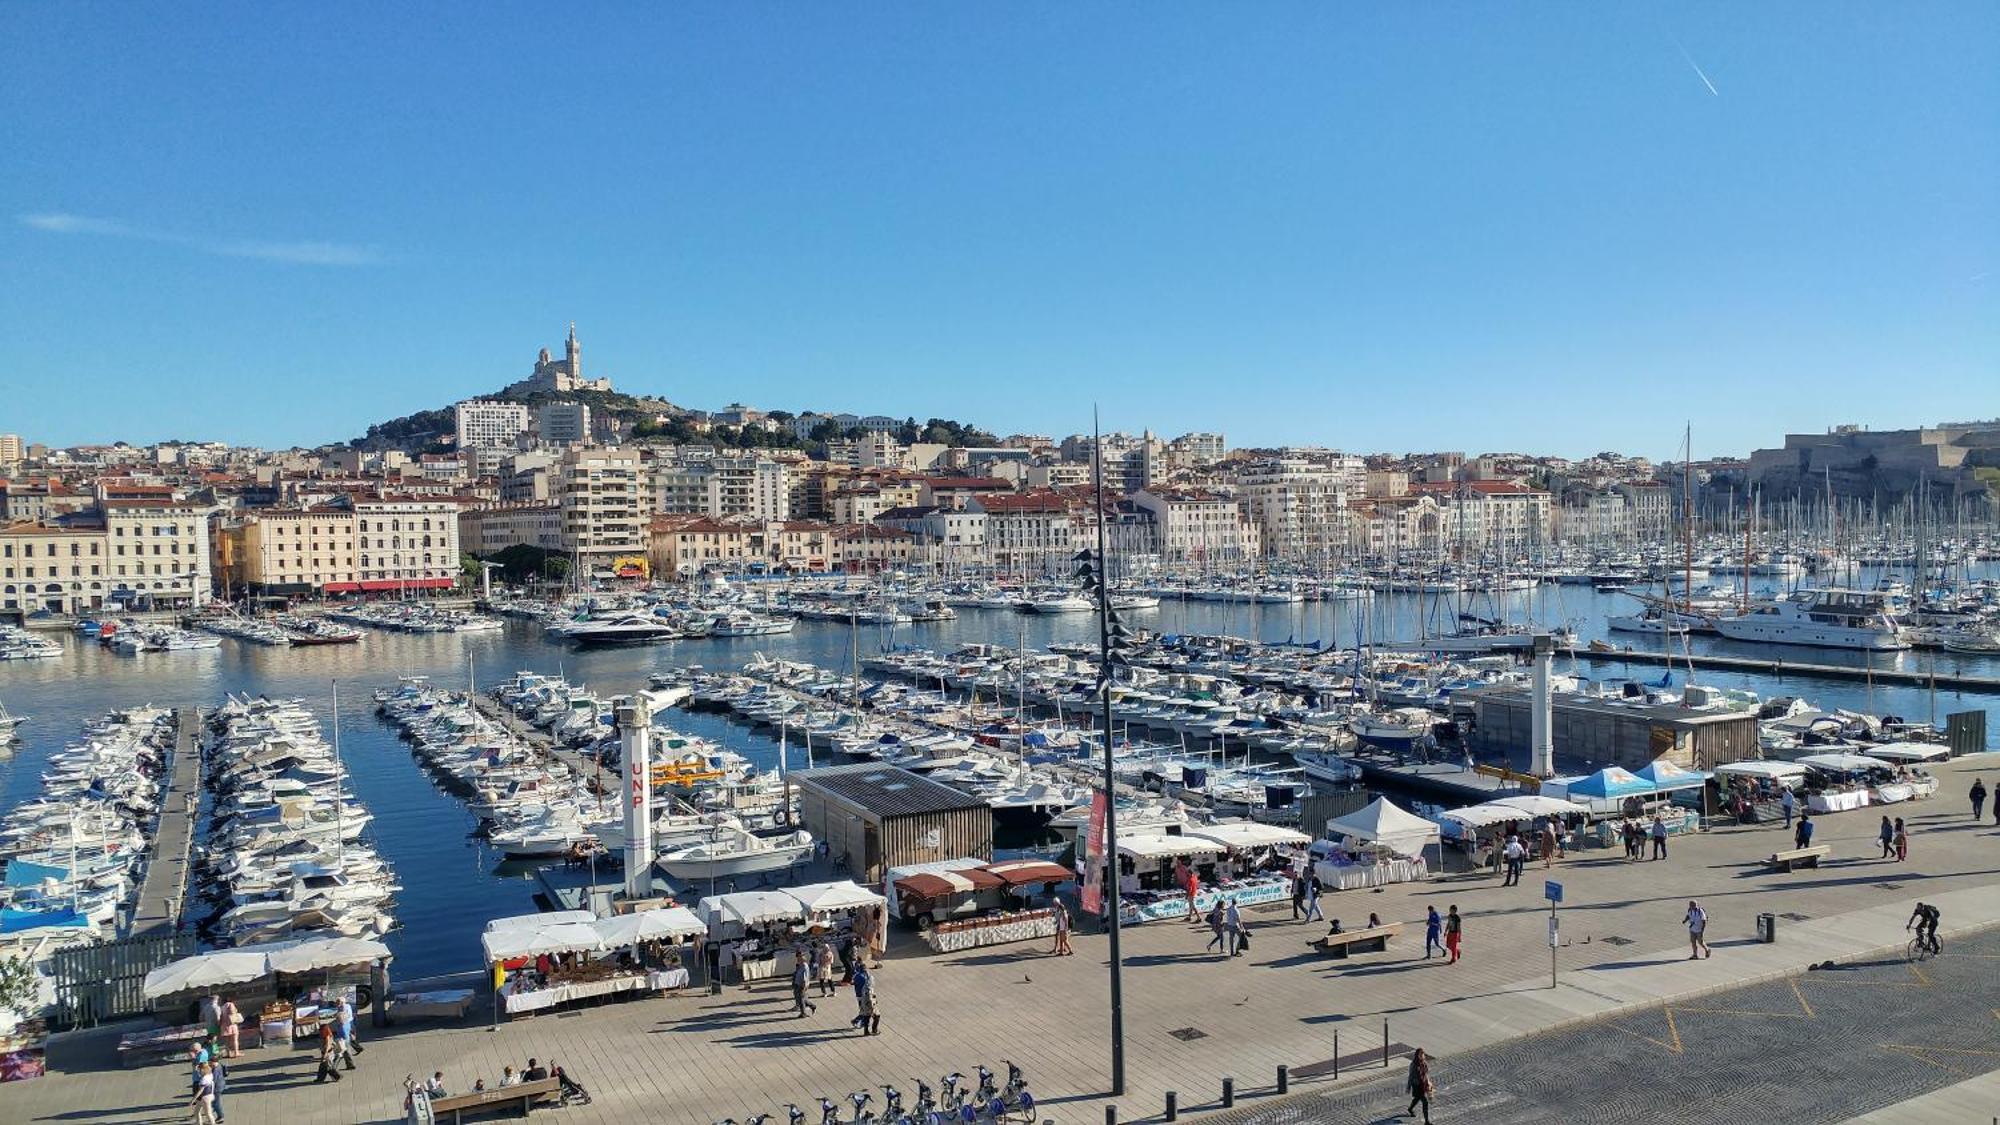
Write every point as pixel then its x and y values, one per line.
pixel 1191 1017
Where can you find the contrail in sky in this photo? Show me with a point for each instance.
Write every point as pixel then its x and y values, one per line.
pixel 1698 71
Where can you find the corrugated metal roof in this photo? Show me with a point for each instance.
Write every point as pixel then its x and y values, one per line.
pixel 887 790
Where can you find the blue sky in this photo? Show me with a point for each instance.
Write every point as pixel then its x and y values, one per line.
pixel 1554 227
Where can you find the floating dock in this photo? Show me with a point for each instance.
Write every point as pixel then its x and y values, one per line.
pixel 158 909
pixel 1941 681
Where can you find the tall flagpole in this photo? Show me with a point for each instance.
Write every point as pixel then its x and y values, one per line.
pixel 1110 781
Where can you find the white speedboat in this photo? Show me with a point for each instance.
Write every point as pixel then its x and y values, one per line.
pixel 731 852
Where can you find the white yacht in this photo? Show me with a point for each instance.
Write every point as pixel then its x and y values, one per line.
pixel 743 623
pixel 730 852
pixel 1829 618
pixel 624 629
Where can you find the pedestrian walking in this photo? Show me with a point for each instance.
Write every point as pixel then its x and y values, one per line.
pixel 1433 932
pixel 823 965
pixel 864 983
pixel 345 1015
pixel 871 1023
pixel 329 1055
pixel 1659 837
pixel 1902 841
pixel 1298 895
pixel 204 1096
pixel 1232 920
pixel 219 1080
pixel 1193 893
pixel 1802 837
pixel 1062 948
pixel 847 958
pixel 1515 855
pixel 1549 843
pixel 800 973
pixel 1312 899
pixel 1420 1085
pixel 1790 803
pixel 1454 933
pixel 1696 920
pixel 232 1030
pixel 1216 940
pixel 1886 836
pixel 1979 797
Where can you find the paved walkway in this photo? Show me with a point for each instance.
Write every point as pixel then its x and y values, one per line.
pixel 158 908
pixel 1191 1017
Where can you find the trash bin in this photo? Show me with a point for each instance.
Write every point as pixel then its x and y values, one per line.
pixel 1767 928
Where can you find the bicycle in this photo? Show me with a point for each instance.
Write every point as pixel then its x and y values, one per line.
pixel 1923 948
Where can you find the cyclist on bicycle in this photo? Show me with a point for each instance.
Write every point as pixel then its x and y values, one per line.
pixel 1925 919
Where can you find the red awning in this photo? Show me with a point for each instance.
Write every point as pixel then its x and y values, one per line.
pixel 1026 871
pixel 341 587
pixel 407 584
pixel 947 883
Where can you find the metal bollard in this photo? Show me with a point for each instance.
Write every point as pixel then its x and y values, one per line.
pixel 1385 1044
pixel 1336 1052
pixel 1228 1092
pixel 1111 1115
pixel 1173 1112
pixel 1284 1079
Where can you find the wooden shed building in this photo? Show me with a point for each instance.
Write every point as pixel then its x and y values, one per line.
pixel 1615 732
pixel 874 817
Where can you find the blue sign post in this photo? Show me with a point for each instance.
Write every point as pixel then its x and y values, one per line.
pixel 1553 891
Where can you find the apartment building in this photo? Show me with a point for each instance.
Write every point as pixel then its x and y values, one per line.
pixel 483 424
pixel 405 543
pixel 487 531
pixel 54 567
pixel 1298 505
pixel 1029 531
pixel 293 551
pixel 603 496
pixel 158 549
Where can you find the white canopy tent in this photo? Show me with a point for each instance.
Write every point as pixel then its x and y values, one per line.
pixel 1160 846
pixel 524 941
pixel 1484 816
pixel 1910 751
pixel 248 963
pixel 1534 804
pixel 1245 834
pixel 674 923
pixel 827 898
pixel 537 921
pixel 1842 763
pixel 206 970
pixel 1382 822
pixel 747 908
pixel 1784 773
pixel 325 953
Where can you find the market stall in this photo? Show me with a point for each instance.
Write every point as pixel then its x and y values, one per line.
pixel 1148 889
pixel 1839 781
pixel 1610 791
pixel 285 990
pixel 910 911
pixel 751 932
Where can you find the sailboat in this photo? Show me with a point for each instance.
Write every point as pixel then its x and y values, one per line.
pixel 8 722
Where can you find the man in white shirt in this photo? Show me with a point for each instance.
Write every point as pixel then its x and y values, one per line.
pixel 1516 858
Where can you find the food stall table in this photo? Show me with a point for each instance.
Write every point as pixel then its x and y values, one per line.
pixel 1837 802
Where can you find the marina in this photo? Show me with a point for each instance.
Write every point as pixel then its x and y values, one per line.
pixel 169 860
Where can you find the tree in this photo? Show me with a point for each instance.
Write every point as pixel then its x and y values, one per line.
pixel 20 990
pixel 826 431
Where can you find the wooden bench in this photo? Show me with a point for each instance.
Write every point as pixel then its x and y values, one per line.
pixel 497 1098
pixel 1373 940
pixel 1799 857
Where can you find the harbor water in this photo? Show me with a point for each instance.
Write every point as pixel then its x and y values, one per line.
pixel 452 883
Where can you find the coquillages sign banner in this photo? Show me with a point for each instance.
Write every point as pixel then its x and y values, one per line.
pixel 1093 853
